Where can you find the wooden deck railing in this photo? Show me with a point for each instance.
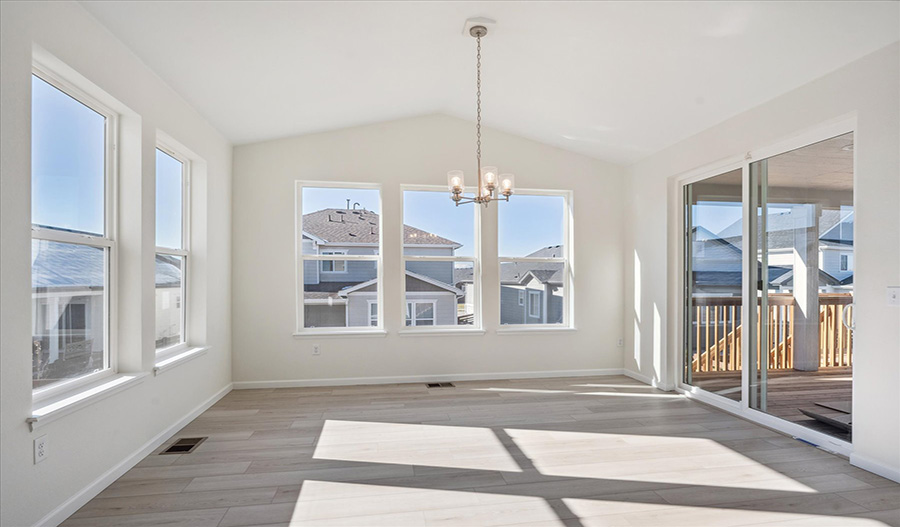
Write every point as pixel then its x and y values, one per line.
pixel 718 331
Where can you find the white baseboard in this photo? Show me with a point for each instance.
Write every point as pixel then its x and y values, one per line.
pixel 70 506
pixel 352 381
pixel 876 467
pixel 646 380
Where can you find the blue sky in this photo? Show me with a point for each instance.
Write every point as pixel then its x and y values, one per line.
pixel 168 200
pixel 67 159
pixel 527 223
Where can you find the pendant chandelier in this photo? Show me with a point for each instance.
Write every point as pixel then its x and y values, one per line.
pixel 491 184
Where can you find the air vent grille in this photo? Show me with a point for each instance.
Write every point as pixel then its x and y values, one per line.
pixel 440 385
pixel 184 445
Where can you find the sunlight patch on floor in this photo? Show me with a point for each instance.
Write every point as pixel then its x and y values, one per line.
pixel 647 458
pixel 462 447
pixel 623 394
pixel 622 513
pixel 337 503
pixel 518 390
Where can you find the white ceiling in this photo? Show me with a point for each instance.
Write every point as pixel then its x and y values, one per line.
pixel 614 80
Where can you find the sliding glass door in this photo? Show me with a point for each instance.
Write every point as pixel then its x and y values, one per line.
pixel 801 368
pixel 793 290
pixel 713 280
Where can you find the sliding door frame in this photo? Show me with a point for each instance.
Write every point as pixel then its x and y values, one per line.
pixel 830 129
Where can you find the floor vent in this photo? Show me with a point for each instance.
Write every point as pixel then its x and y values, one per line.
pixel 184 446
pixel 440 385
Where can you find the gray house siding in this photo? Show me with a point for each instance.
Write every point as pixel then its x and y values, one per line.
pixel 324 316
pixel 358 308
pixel 441 271
pixel 555 306
pixel 510 310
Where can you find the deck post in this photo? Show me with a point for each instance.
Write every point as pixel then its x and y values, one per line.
pixel 806 287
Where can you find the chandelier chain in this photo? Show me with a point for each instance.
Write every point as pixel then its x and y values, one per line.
pixel 478 103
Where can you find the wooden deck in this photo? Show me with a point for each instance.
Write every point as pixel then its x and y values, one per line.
pixel 790 390
pixel 576 452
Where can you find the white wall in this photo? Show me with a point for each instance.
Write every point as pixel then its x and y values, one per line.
pixel 415 151
pixel 869 87
pixel 87 443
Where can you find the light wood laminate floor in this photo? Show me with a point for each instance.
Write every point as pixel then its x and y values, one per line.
pixel 601 451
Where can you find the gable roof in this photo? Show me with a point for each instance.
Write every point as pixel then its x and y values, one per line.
pixel 780 227
pixel 361 226
pixel 518 272
pixel 76 267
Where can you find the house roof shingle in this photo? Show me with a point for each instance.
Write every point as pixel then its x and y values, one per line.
pixel 361 226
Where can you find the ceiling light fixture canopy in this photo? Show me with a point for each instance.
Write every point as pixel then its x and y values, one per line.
pixel 491 184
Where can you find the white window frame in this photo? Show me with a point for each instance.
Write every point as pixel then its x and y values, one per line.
pixel 532 313
pixel 411 309
pixel 299 330
pixel 845 264
pixel 183 252
pixel 475 260
pixel 522 297
pixel 567 259
pixel 333 262
pixel 107 242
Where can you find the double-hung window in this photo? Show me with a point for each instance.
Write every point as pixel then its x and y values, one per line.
pixel 172 233
pixel 441 264
pixel 73 246
pixel 535 245
pixel 338 240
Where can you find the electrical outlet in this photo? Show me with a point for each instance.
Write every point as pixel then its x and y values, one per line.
pixel 317 350
pixel 893 296
pixel 40 449
pixel 620 343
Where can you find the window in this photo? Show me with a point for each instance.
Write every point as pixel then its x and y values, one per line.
pixel 845 262
pixel 73 244
pixel 534 304
pixel 441 259
pixel 339 261
pixel 535 267
pixel 172 179
pixel 334 266
pixel 420 313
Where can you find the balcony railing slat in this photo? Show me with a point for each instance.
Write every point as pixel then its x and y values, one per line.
pixel 722 352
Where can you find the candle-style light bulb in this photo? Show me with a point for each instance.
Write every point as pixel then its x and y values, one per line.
pixel 507 184
pixel 456 180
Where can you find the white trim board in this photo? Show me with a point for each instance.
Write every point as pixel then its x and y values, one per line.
pixel 875 467
pixel 353 381
pixel 71 505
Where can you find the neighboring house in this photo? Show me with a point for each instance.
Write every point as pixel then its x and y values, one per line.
pixel 530 293
pixel 342 293
pixel 168 300
pixel 68 303
pixel 716 264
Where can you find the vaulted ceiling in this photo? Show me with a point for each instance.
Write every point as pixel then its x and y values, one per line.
pixel 617 81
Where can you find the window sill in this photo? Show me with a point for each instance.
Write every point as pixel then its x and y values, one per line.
pixel 49 411
pixel 341 334
pixel 528 330
pixel 440 331
pixel 170 361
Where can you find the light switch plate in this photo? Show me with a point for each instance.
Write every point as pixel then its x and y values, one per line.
pixel 893 295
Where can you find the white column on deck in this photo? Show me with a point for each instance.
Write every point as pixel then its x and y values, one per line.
pixel 806 287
